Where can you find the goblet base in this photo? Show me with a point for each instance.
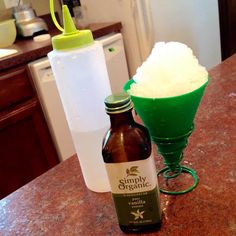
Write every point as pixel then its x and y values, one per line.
pixel 168 174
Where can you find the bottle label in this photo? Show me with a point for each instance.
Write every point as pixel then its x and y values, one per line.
pixel 135 191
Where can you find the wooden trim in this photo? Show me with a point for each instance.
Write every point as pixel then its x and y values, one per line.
pixel 224 30
pixel 18 112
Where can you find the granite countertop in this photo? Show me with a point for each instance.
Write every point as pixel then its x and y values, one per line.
pixel 28 50
pixel 58 203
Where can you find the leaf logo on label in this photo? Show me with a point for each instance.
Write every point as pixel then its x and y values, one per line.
pixel 137 214
pixel 132 171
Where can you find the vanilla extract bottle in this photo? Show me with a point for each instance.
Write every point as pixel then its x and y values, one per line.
pixel 130 166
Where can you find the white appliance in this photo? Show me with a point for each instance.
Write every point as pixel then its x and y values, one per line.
pixel 195 23
pixel 50 100
pixel 52 107
pixel 115 60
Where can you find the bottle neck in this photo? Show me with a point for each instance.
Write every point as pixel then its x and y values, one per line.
pixel 124 118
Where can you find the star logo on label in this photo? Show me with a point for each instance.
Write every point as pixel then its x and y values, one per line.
pixel 137 214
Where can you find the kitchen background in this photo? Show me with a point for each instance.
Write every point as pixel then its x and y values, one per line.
pixel 195 23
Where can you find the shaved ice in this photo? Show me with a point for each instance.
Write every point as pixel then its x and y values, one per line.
pixel 170 70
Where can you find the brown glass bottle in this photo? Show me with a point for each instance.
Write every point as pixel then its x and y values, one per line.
pixel 130 166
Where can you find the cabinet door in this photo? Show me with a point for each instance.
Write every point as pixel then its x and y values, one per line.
pixel 26 147
pixel 227 15
pixel 15 87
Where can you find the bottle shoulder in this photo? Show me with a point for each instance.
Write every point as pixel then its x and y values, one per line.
pixel 135 133
pixel 126 143
pixel 96 45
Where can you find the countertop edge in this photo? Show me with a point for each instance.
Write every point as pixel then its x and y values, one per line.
pixel 28 50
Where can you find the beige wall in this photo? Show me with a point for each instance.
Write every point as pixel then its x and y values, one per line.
pixel 4 13
pixel 112 11
pixel 41 7
pixel 195 23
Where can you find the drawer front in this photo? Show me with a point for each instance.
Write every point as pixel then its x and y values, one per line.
pixel 15 87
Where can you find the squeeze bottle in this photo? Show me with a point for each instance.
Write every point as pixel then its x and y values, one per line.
pixel 79 67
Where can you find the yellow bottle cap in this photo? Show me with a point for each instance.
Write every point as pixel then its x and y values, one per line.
pixel 70 37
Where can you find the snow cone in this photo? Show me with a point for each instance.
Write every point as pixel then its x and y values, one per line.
pixel 166 92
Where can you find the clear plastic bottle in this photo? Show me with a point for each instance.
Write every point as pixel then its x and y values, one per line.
pixel 131 170
pixel 78 64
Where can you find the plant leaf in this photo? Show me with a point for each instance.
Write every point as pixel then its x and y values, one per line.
pixel 133 174
pixel 134 169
